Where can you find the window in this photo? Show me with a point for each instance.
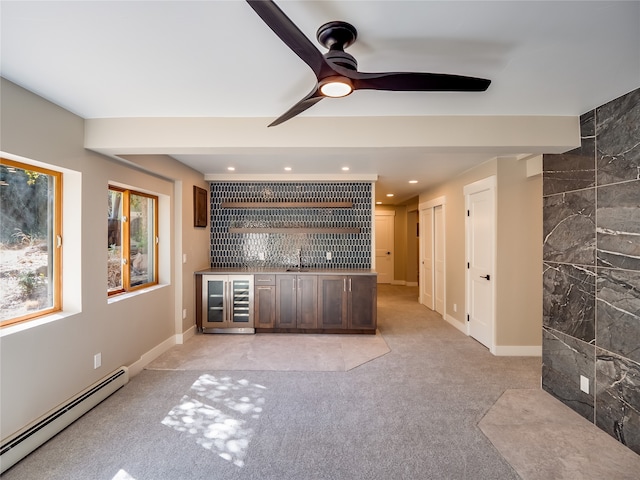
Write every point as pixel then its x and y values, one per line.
pixel 30 241
pixel 132 240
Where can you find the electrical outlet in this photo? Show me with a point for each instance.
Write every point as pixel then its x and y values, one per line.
pixel 455 307
pixel 584 384
pixel 328 255
pixel 260 255
pixel 97 360
pixel 184 258
pixel 184 313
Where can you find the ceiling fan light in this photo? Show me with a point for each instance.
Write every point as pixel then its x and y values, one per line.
pixel 336 87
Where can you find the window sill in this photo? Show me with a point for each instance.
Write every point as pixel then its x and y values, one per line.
pixel 124 296
pixel 33 323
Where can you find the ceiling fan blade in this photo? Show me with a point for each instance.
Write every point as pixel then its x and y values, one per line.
pixel 290 34
pixel 307 102
pixel 417 82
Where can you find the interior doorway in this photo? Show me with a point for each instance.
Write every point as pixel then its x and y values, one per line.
pixel 432 255
pixel 384 238
pixel 481 246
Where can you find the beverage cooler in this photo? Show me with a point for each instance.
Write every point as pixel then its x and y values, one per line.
pixel 227 304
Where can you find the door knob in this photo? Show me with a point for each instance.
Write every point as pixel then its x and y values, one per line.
pixel 487 277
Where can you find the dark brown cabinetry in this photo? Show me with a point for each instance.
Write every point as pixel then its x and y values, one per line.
pixel 264 300
pixel 296 301
pixel 363 302
pixel 347 302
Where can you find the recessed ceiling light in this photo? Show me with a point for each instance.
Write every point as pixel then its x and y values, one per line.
pixel 413 181
pixel 345 169
pixel 389 194
pixel 231 169
pixel 287 169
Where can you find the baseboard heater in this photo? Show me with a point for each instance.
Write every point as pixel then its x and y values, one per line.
pixel 19 445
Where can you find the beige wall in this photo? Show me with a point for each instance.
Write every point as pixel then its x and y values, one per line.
pixel 519 240
pixel 45 362
pixel 519 247
pixel 191 241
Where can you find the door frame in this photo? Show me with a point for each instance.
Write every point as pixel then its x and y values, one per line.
pixel 490 184
pixel 431 205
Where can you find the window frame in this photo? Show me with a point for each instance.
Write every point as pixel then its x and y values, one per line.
pixel 125 252
pixel 57 242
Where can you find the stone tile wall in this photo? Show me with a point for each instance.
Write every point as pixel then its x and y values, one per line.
pixel 591 273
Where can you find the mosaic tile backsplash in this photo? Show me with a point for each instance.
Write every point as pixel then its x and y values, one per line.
pixel 259 250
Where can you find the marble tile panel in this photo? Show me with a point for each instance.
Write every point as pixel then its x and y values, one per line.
pixel 569 300
pixel 618 398
pixel 573 170
pixel 618 139
pixel 564 359
pixel 618 312
pixel 618 225
pixel 569 227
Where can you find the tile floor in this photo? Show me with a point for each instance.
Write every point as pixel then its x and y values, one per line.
pixel 543 439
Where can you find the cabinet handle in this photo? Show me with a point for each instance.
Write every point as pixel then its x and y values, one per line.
pixel 229 301
pixel 344 284
pixel 264 288
pixel 263 280
pixel 349 284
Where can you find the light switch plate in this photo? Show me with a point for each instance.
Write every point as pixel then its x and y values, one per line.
pixel 97 360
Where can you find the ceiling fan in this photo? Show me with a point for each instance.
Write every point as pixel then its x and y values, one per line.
pixel 337 71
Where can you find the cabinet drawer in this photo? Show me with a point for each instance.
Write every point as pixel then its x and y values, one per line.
pixel 264 279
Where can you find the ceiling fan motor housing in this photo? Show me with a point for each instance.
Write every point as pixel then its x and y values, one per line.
pixel 336 36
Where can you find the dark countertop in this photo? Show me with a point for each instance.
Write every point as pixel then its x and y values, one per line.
pixel 283 270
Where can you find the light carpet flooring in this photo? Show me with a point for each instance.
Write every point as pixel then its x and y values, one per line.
pixel 538 436
pixel 424 402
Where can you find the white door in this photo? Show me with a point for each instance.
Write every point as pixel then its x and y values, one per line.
pixel 438 237
pixel 426 245
pixel 384 246
pixel 480 198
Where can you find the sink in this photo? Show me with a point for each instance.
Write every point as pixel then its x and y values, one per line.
pixel 297 270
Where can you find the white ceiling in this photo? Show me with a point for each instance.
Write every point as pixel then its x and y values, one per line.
pixel 218 59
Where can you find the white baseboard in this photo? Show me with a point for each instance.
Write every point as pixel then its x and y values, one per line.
pixel 186 335
pixel 501 350
pixel 455 323
pixel 517 350
pixel 146 358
